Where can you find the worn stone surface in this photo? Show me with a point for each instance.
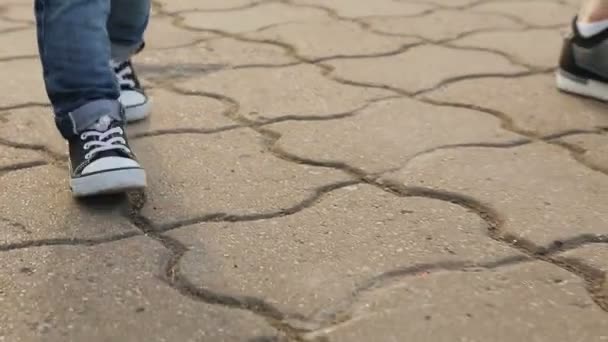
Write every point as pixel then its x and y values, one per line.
pixel 234 175
pixel 299 91
pixel 541 192
pixel 520 45
pixel 107 292
pixel 332 39
pixel 528 103
pixel 343 170
pixel 350 9
pixel 541 299
pixel 385 135
pixel 315 259
pixel 422 67
pixel 36 204
pixel 442 24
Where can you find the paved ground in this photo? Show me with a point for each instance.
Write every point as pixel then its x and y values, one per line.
pixel 344 170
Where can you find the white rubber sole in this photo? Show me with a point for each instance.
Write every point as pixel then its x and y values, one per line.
pixel 137 113
pixel 109 182
pixel 584 87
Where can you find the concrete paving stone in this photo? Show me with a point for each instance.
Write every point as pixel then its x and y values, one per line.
pixel 19 87
pixel 207 5
pixel 297 90
pixel 532 102
pixel 226 172
pixel 531 302
pixel 534 13
pixel 11 156
pixel 521 45
pixel 593 255
pixel 442 24
pixel 36 204
pixel 330 38
pixel 251 18
pixel 199 60
pixel 22 11
pixel 8 26
pixel 422 67
pixel 174 112
pixel 595 148
pixel 162 33
pixel 542 194
pixel 34 126
pixel 389 133
pixel 451 3
pixel 111 292
pixel 356 9
pixel 18 43
pixel 315 259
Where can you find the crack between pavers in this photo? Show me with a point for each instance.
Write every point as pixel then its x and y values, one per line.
pixel 74 242
pixel 174 278
pixel 21 166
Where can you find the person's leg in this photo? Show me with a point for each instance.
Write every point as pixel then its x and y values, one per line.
pixel 583 66
pixel 75 52
pixel 593 11
pixel 126 26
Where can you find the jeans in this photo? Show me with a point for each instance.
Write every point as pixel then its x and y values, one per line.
pixel 76 40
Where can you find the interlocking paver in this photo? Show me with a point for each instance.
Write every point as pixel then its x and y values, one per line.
pixel 21 87
pixel 594 148
pixel 543 303
pixel 521 45
pixel 351 9
pixel 207 5
pixel 299 91
pixel 422 67
pixel 323 39
pixel 18 43
pixel 343 170
pixel 227 172
pixel 442 24
pixel 37 205
pixel 178 113
pixel 387 134
pixel 533 13
pixel 107 293
pixel 541 192
pixel 313 261
pixel 251 18
pixel 208 57
pixel 32 126
pixel 531 102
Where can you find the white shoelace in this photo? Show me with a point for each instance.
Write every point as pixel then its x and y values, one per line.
pixel 102 143
pixel 122 74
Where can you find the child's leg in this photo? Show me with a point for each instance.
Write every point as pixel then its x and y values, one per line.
pixel 75 51
pixel 126 26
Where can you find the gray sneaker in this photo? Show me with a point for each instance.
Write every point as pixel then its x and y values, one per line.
pixel 583 66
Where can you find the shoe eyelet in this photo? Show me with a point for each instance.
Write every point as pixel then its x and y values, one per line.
pixel 87 156
pixel 83 136
pixel 87 146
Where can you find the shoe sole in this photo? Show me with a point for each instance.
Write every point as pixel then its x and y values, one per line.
pixel 581 86
pixel 109 182
pixel 139 112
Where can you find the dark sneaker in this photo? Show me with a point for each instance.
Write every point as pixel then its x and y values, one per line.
pixel 132 95
pixel 101 161
pixel 583 66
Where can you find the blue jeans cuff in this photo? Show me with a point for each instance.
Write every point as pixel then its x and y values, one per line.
pixel 78 120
